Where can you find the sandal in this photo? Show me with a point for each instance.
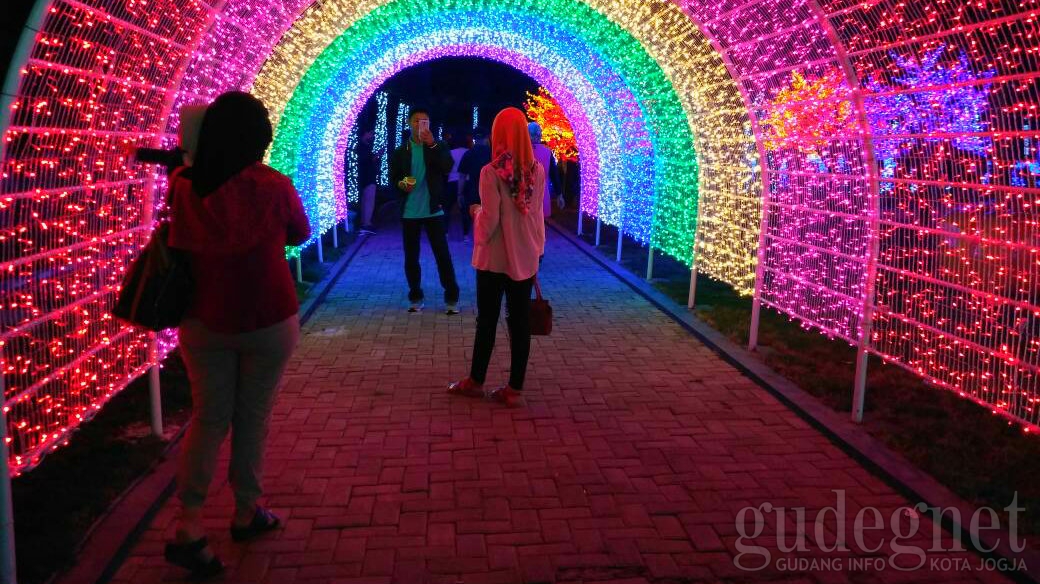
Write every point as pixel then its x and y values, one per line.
pixel 508 396
pixel 467 387
pixel 189 556
pixel 263 521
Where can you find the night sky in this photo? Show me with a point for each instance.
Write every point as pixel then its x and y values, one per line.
pixel 450 87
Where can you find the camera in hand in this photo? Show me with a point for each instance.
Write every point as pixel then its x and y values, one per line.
pixel 169 158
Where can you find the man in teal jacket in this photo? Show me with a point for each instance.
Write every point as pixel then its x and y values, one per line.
pixel 418 170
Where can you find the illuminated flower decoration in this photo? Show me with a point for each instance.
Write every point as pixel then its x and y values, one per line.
pixel 957 107
pixel 556 130
pixel 809 113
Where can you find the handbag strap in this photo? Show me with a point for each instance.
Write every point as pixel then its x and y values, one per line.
pixel 537 288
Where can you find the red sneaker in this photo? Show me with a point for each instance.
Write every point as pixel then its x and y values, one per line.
pixel 508 396
pixel 466 387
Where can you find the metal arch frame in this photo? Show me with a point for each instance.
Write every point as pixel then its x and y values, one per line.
pixel 756 306
pixel 757 133
pixel 866 324
pixel 593 154
pixel 32 27
pixel 866 318
pixel 643 112
pixel 26 42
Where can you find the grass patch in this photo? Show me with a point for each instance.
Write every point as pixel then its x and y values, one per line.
pixel 963 445
pixel 315 271
pixel 56 503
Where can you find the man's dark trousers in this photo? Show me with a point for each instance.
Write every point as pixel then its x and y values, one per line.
pixel 411 230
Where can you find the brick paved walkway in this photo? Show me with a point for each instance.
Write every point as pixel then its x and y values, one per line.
pixel 637 450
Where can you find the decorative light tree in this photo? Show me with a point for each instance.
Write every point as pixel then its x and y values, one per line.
pixel 556 130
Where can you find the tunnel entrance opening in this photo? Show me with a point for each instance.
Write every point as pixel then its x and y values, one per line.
pixel 462 96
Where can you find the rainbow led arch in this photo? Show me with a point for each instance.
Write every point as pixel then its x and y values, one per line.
pixel 632 145
pixel 593 134
pixel 698 76
pixel 604 134
pixel 826 185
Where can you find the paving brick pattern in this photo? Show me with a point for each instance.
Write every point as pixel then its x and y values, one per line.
pixel 636 451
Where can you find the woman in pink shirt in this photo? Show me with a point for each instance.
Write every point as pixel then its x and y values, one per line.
pixel 508 240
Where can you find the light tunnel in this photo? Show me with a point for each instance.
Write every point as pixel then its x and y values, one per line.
pixel 628 166
pixel 867 168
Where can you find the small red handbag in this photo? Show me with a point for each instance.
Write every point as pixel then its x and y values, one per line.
pixel 540 313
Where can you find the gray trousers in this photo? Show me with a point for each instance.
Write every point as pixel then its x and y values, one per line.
pixel 233 382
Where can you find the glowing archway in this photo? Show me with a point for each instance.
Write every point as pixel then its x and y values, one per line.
pixel 579 111
pixel 632 40
pixel 352 80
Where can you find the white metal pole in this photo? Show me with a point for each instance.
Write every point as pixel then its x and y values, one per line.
pixel 650 263
pixel 756 302
pixel 620 241
pixel 692 297
pixel 598 229
pixel 299 269
pixel 8 573
pixel 756 314
pixel 346 225
pixel 321 253
pixel 154 389
pixel 581 198
pixel 335 236
pixel 859 389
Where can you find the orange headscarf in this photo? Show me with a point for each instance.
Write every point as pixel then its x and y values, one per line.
pixel 512 156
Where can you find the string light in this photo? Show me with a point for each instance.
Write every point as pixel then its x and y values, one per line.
pixel 381 142
pixel 401 124
pixel 286 155
pixel 640 180
pixel 960 256
pixel 535 70
pixel 946 92
pixel 795 118
pixel 353 189
pixel 74 209
pixel 717 117
pixel 476 117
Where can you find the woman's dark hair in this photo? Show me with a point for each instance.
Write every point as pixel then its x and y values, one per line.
pixel 235 133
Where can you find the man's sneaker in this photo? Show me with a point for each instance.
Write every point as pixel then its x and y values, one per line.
pixel 415 307
pixel 452 309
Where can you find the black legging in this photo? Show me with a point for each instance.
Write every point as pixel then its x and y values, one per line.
pixel 491 286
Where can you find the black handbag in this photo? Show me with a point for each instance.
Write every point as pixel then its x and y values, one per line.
pixel 540 312
pixel 158 284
